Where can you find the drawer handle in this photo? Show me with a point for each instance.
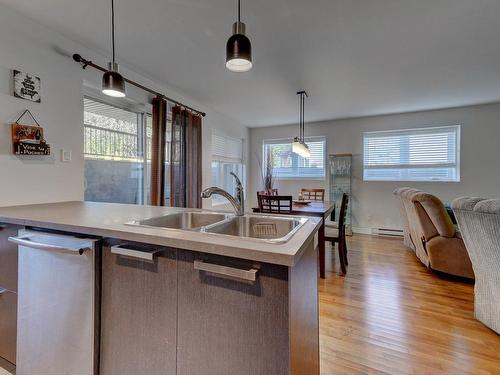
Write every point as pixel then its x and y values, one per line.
pixel 132 253
pixel 28 242
pixel 247 275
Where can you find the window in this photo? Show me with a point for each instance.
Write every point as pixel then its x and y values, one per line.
pixel 288 164
pixel 426 154
pixel 227 157
pixel 115 141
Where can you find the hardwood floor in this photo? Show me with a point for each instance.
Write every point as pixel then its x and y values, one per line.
pixel 390 315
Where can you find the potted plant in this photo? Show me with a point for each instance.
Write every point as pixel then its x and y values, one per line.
pixel 267 172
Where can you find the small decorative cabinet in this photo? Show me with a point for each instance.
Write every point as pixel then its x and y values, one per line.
pixel 340 182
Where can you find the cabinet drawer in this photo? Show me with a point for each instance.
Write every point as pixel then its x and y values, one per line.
pixel 139 310
pixel 8 325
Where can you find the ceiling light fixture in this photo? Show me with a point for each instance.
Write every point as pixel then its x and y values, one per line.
pixel 299 145
pixel 239 48
pixel 113 83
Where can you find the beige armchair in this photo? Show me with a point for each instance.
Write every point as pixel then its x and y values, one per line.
pixel 437 237
pixel 479 222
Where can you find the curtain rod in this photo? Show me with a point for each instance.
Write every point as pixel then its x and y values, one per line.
pixel 84 63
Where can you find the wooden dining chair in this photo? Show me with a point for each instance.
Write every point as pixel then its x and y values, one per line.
pixel 265 192
pixel 337 235
pixel 313 194
pixel 276 204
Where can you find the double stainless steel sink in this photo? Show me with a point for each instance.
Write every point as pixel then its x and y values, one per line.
pixel 258 227
pixel 183 220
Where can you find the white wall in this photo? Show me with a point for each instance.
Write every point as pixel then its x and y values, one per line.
pixel 33 48
pixel 373 205
pixel 29 48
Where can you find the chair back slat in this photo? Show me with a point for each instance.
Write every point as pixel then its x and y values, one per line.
pixel 313 194
pixel 265 192
pixel 280 204
pixel 343 211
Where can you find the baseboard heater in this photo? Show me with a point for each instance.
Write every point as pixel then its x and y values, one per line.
pixel 388 232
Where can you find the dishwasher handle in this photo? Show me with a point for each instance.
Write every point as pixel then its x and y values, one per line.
pixel 26 241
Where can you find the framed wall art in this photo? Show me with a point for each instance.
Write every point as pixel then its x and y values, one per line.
pixel 27 86
pixel 29 139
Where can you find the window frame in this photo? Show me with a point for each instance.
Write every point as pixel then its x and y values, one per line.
pixel 290 140
pixel 430 130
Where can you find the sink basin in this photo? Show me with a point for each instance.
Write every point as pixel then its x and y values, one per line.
pixel 264 228
pixel 182 220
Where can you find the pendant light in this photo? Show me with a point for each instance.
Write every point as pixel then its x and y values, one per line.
pixel 113 83
pixel 299 145
pixel 239 48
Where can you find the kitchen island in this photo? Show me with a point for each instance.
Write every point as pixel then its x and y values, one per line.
pixel 215 300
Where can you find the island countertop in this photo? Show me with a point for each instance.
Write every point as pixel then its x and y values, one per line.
pixel 108 220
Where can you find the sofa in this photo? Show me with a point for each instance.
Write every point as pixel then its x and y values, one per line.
pixel 479 222
pixel 411 230
pixel 432 235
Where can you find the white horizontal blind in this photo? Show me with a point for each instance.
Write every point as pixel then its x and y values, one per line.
pixel 426 154
pixel 227 157
pixel 288 164
pixel 227 148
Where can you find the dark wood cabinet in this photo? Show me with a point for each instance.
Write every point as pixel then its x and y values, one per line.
pixel 191 313
pixel 139 312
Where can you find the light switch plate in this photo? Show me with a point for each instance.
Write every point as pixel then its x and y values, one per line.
pixel 65 156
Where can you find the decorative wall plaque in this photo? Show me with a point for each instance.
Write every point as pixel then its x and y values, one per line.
pixel 29 139
pixel 27 86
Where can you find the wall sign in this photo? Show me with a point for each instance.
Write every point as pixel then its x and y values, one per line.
pixel 26 86
pixel 29 139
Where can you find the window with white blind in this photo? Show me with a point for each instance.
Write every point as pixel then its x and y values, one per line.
pixel 227 157
pixel 289 165
pixel 425 154
pixel 116 141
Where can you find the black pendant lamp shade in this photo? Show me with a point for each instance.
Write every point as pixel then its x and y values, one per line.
pixel 113 83
pixel 239 48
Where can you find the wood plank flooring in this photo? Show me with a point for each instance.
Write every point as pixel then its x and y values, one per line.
pixel 390 315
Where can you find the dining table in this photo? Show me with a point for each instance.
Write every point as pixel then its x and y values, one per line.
pixel 322 209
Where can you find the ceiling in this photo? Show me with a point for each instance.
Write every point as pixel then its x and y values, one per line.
pixel 354 57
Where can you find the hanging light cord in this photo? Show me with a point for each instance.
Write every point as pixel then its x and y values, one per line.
pixel 113 28
pixel 303 118
pixel 300 117
pixel 239 12
pixel 302 100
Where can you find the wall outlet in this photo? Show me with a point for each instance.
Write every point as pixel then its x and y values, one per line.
pixel 66 156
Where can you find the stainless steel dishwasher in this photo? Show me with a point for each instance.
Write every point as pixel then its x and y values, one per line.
pixel 56 299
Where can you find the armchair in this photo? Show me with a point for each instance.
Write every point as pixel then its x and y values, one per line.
pixel 479 222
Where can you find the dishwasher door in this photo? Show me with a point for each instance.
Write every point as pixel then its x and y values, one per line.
pixel 56 299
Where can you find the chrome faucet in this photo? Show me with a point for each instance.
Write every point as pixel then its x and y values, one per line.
pixel 237 202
